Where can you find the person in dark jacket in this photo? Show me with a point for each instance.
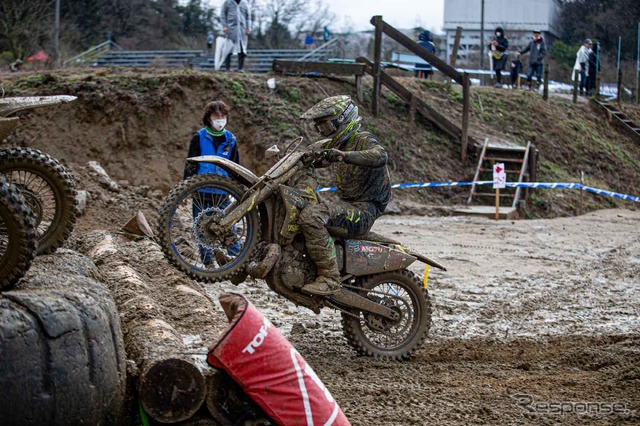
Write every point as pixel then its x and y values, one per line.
pixel 593 68
pixel 425 40
pixel 363 187
pixel 498 47
pixel 234 16
pixel 537 50
pixel 212 139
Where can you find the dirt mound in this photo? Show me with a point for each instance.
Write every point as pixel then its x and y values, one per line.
pixel 137 124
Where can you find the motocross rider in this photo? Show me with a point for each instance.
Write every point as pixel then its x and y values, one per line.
pixel 363 187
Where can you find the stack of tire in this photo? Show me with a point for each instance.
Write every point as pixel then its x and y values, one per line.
pixel 61 347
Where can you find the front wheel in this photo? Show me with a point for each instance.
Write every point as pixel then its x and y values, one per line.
pixel 187 217
pixel 371 335
pixel 50 191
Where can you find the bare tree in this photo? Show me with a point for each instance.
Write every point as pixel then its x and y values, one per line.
pixel 317 16
pixel 25 25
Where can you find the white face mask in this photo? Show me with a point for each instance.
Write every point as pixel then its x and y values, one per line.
pixel 219 124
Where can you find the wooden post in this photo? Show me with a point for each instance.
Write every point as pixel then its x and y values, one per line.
pixel 545 92
pixel 377 56
pixel 518 81
pixel 619 98
pixel 359 88
pixel 581 191
pixel 497 203
pixel 576 76
pixel 598 83
pixel 466 101
pixel 456 46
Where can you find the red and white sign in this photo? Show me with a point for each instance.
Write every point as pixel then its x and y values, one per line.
pixel 269 369
pixel 499 176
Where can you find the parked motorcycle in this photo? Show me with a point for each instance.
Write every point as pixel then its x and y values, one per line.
pixel 17 234
pixel 215 228
pixel 45 193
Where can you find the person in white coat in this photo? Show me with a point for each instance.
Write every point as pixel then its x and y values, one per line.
pixel 582 60
pixel 235 24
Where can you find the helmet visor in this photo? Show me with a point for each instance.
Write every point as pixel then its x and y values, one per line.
pixel 325 128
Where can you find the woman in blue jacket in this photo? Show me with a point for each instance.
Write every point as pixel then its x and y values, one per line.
pixel 212 139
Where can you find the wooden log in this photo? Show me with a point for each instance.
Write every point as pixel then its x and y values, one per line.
pixel 169 381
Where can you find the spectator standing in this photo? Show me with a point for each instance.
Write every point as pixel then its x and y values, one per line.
pixel 537 49
pixel 582 60
pixel 212 139
pixel 498 47
pixel 235 24
pixel 425 40
pixel 326 35
pixel 593 68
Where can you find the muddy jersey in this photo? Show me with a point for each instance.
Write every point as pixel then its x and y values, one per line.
pixel 363 176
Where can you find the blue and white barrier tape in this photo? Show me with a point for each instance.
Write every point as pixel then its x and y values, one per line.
pixel 512 185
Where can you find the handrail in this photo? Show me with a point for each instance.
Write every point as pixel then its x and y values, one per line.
pixel 108 44
pixel 322 46
pixel 414 47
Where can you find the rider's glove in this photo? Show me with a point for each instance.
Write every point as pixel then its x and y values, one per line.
pixel 333 155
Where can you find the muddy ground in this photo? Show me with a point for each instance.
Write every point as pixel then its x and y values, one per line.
pixel 535 321
pixel 531 318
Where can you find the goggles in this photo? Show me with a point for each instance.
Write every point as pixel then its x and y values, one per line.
pixel 325 128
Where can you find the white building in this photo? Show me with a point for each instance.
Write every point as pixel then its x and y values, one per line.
pixel 518 18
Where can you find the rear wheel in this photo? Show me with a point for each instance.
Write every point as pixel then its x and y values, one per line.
pixel 378 337
pixel 49 190
pixel 186 236
pixel 17 235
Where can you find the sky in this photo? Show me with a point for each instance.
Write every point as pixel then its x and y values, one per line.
pixel 354 15
pixel 402 14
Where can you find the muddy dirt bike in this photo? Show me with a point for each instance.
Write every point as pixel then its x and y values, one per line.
pixel 38 189
pixel 216 228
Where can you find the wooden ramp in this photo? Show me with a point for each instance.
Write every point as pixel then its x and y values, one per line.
pixel 517 161
pixel 619 117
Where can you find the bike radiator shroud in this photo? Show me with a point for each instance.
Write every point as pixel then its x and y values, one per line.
pixel 366 257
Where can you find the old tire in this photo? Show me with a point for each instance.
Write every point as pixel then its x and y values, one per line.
pixel 50 190
pixel 182 239
pixel 63 359
pixel 400 290
pixel 17 235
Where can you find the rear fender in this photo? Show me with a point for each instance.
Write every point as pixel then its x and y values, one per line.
pixel 235 170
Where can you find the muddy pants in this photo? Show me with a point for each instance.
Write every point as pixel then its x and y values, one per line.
pixel 354 219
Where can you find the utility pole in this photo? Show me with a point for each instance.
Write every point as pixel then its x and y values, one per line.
pixel 56 35
pixel 482 40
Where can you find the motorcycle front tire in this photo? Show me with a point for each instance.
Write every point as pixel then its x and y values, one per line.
pixel 170 236
pixel 49 189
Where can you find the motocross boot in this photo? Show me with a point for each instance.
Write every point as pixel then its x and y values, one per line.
pixel 328 281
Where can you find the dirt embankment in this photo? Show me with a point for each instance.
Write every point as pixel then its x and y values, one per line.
pixel 137 124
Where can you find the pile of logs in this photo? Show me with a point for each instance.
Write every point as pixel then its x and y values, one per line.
pixel 159 309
